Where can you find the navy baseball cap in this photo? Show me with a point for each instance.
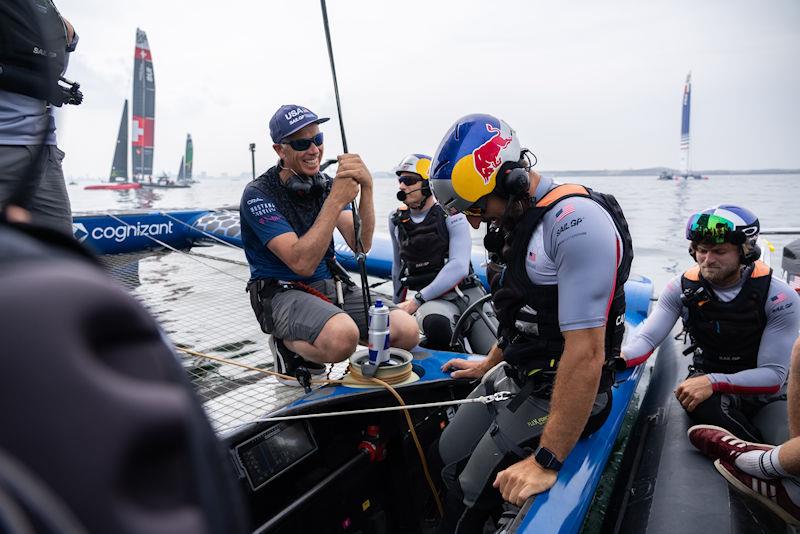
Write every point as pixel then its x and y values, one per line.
pixel 290 118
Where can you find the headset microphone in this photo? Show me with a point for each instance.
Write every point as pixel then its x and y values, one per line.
pixel 402 195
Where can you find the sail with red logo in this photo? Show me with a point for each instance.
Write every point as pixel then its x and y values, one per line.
pixel 144 110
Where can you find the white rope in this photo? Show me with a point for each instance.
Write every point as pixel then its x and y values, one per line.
pixel 173 249
pixel 485 399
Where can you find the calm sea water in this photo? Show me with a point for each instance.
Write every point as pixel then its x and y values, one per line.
pixel 656 210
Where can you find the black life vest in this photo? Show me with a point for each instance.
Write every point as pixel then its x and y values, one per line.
pixel 424 246
pixel 542 349
pixel 33 45
pixel 300 211
pixel 726 335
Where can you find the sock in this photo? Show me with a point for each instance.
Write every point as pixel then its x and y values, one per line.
pixel 762 464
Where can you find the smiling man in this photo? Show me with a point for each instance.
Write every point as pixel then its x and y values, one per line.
pixel 741 322
pixel 299 293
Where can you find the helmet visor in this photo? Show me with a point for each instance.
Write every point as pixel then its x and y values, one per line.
pixel 707 228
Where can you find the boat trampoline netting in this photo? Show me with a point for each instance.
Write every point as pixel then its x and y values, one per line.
pixel 199 299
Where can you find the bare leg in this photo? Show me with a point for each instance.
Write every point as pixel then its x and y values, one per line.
pixel 335 343
pixel 403 330
pixel 789 456
pixel 794 392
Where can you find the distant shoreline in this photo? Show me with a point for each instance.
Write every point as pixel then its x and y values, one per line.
pixel 655 171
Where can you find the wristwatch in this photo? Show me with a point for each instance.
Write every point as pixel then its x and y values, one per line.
pixel 419 298
pixel 545 458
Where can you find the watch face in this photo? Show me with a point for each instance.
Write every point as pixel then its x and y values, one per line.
pixel 547 459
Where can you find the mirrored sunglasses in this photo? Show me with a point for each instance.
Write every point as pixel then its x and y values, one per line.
pixel 709 228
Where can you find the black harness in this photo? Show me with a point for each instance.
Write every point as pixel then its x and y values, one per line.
pixel 725 336
pixel 534 354
pixel 425 248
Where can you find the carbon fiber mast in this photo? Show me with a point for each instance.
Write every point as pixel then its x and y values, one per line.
pixel 144 110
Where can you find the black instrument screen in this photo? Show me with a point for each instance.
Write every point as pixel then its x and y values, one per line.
pixel 268 454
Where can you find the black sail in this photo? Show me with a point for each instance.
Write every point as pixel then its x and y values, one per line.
pixel 189 155
pixel 119 166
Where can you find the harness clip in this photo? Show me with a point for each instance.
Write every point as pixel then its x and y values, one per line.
pixel 496 397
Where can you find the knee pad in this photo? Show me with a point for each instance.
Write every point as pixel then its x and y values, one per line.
pixel 437 330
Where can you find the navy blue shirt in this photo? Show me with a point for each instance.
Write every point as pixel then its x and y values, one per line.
pixel 262 221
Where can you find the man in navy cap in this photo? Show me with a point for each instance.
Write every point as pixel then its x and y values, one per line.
pixel 299 294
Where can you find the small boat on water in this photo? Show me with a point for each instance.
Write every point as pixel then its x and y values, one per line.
pixel 124 186
pixel 184 171
pixel 686 108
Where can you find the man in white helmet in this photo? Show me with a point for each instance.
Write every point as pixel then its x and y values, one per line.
pixel 431 269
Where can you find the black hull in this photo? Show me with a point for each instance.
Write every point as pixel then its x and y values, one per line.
pixel 671 486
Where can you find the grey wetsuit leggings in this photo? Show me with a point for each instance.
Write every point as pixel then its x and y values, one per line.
pixel 472 456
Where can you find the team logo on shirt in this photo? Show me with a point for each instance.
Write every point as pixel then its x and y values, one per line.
pixel 263 209
pixel 569 224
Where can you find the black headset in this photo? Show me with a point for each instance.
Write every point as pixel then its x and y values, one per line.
pixel 512 180
pixel 310 187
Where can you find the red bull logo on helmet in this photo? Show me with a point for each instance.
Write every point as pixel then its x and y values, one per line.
pixel 487 156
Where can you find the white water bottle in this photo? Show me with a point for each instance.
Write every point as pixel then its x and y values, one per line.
pixel 378 333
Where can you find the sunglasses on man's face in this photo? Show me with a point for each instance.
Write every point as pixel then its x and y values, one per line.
pixel 300 145
pixel 409 180
pixel 474 212
pixel 477 209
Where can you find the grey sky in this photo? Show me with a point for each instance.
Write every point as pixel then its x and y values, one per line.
pixel 586 84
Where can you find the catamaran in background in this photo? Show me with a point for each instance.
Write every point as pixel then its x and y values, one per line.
pixel 184 178
pixel 685 173
pixel 143 133
pixel 142 125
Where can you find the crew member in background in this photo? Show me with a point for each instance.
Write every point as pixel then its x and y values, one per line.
pixel 432 261
pixel 560 303
pixel 299 293
pixel 741 322
pixel 29 90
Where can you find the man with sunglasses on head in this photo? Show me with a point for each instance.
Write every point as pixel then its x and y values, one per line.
pixel 431 261
pixel 560 301
pixel 741 322
pixel 299 293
